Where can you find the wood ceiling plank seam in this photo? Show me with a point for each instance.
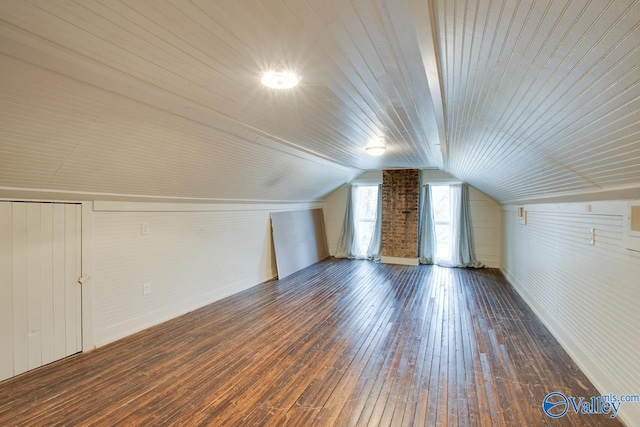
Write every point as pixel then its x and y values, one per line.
pixel 32 114
pixel 216 28
pixel 571 183
pixel 502 48
pixel 359 114
pixel 476 75
pixel 455 146
pixel 150 33
pixel 24 146
pixel 40 93
pixel 54 161
pixel 421 142
pixel 377 92
pixel 594 99
pixel 401 72
pixel 463 122
pixel 320 130
pixel 601 144
pixel 625 143
pixel 200 35
pixel 118 43
pixel 199 154
pixel 512 178
pixel 466 117
pixel 39 165
pixel 393 80
pixel 555 175
pixel 283 14
pixel 625 183
pixel 547 182
pixel 480 147
pixel 193 188
pixel 264 165
pixel 552 172
pixel 233 85
pixel 624 170
pixel 47 42
pixel 526 49
pixel 21 114
pixel 340 63
pixel 611 111
pixel 261 28
pixel 33 146
pixel 584 34
pixel 614 164
pixel 356 28
pixel 460 89
pixel 336 123
pixel 337 118
pixel 203 127
pixel 405 124
pixel 342 119
pixel 574 101
pixel 390 124
pixel 29 130
pixel 212 67
pixel 589 129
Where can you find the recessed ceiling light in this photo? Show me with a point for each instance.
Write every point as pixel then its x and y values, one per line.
pixel 375 148
pixel 280 79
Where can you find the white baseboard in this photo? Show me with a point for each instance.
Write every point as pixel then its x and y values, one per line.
pixel 399 261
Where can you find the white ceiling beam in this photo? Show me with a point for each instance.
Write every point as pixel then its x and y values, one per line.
pixel 423 13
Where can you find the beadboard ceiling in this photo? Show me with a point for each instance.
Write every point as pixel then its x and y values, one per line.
pixel 523 99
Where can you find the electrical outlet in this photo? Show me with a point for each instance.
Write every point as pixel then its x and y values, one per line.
pixel 144 228
pixel 146 289
pixel 592 236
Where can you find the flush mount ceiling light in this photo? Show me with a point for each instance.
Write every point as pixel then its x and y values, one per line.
pixel 280 79
pixel 375 148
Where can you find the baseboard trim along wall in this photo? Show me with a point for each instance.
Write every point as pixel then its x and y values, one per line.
pixel 569 263
pixel 398 261
pixel 187 255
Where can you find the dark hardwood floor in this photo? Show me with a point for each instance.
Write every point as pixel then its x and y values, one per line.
pixel 344 343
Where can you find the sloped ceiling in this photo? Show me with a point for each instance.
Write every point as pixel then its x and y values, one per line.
pixel 523 99
pixel 542 97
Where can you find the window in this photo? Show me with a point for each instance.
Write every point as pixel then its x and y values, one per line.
pixel 441 203
pixel 366 205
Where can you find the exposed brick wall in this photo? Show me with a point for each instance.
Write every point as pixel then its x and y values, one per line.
pixel 400 205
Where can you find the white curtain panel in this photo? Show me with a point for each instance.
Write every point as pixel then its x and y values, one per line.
pixel 374 252
pixel 347 243
pixel 427 231
pixel 461 252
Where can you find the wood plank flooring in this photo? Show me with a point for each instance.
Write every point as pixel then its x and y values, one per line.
pixel 341 343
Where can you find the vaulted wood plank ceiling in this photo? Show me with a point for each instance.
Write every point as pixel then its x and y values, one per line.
pixel 542 97
pixel 523 99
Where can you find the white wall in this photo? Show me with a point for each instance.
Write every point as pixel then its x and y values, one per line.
pixel 191 258
pixel 485 224
pixel 586 295
pixel 485 214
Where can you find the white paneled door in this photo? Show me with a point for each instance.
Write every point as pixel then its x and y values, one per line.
pixel 40 297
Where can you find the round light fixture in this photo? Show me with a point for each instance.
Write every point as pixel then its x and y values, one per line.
pixel 280 79
pixel 375 148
